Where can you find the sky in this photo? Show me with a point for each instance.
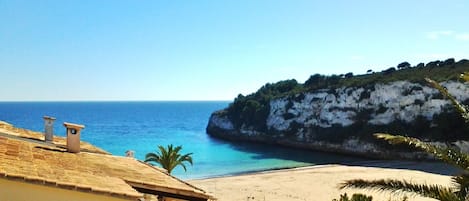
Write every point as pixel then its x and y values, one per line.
pixel 113 50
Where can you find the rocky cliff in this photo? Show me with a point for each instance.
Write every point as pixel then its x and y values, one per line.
pixel 343 119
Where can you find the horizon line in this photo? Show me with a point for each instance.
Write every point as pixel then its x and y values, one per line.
pixel 24 101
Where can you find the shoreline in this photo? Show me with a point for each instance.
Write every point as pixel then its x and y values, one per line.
pixel 434 167
pixel 252 172
pixel 320 182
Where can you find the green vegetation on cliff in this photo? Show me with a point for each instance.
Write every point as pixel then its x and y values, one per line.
pixel 252 110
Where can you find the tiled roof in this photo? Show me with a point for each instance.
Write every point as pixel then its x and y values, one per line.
pixel 99 173
pixel 7 128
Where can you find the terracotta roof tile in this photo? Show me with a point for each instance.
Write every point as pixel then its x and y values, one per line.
pixel 6 128
pixel 98 172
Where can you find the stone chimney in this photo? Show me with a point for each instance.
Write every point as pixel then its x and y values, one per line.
pixel 129 153
pixel 73 137
pixel 49 128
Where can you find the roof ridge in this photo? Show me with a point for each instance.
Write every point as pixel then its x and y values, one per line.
pixel 166 172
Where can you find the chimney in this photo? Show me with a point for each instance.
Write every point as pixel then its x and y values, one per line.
pixel 49 128
pixel 73 137
pixel 129 153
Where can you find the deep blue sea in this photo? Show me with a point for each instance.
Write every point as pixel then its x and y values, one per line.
pixel 141 126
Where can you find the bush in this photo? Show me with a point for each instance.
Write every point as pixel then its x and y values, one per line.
pixel 355 197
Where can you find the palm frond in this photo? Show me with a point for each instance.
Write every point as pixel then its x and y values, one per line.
pixel 177 149
pixel 396 187
pixel 169 157
pixel 448 155
pixel 183 166
pixel 462 184
pixel 163 151
pixel 151 157
pixel 187 157
pixel 449 196
pixel 463 110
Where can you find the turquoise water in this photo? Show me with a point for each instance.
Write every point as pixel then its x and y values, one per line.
pixel 141 126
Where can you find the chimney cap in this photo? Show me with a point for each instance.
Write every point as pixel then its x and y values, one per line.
pixel 129 153
pixel 48 118
pixel 75 126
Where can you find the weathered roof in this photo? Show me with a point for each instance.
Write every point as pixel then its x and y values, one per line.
pixel 42 163
pixel 9 129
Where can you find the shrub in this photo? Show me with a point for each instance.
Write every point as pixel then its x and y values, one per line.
pixel 355 197
pixel 403 65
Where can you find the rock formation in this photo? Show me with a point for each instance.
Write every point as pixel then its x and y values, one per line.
pixel 344 119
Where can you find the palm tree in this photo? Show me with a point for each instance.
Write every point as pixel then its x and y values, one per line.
pixel 169 157
pixel 458 192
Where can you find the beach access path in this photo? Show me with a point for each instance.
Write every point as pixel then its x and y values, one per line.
pixel 320 183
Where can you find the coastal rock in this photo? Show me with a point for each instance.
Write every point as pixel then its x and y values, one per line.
pixel 344 119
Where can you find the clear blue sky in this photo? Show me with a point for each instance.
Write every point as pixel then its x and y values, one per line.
pixel 211 50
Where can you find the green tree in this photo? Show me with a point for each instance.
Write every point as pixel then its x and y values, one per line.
pixel 403 65
pixel 169 157
pixel 458 192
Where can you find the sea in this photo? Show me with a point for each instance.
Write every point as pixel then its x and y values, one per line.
pixel 141 126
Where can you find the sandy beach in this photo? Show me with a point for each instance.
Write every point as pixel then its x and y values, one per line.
pixel 320 183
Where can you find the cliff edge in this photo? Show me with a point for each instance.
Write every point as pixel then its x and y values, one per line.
pixel 330 114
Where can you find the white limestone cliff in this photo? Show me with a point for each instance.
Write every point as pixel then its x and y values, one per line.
pixel 376 105
pixel 401 100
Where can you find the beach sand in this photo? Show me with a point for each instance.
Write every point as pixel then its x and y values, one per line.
pixel 320 183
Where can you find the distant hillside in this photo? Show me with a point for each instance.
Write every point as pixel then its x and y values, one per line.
pixel 339 113
pixel 253 109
